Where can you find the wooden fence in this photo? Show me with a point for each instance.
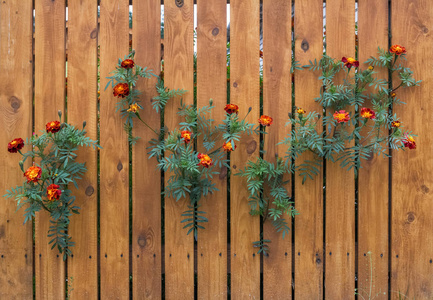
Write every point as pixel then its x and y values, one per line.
pixel 387 210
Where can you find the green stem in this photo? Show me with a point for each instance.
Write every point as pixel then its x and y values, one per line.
pixel 138 116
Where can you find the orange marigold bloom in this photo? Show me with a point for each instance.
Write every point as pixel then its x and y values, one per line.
pixel 371 68
pixel 265 120
pixel 186 136
pixel 350 62
pixel 393 95
pixel 300 111
pixel 231 109
pixel 127 64
pixel 341 116
pixel 228 147
pixel 205 160
pixel 395 124
pixel 33 174
pixel 15 145
pixel 409 142
pixel 368 113
pixel 53 192
pixel 397 49
pixel 53 126
pixel 121 90
pixel 133 108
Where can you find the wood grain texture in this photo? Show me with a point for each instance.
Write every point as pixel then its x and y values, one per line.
pixel 277 103
pixel 340 183
pixel 244 91
pixel 373 176
pixel 308 196
pixel 82 76
pixel 114 158
pixel 50 75
pixel 212 84
pixel 412 181
pixel 16 93
pixel 146 183
pixel 178 70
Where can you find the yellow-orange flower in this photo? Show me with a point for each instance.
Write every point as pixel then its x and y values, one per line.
pixel 350 62
pixel 395 124
pixel 33 174
pixel 53 192
pixel 368 113
pixel 393 95
pixel 205 160
pixel 133 108
pixel 341 116
pixel 409 142
pixel 15 145
pixel 121 90
pixel 228 147
pixel 397 49
pixel 127 64
pixel 186 136
pixel 370 68
pixel 231 109
pixel 265 120
pixel 53 126
pixel 300 111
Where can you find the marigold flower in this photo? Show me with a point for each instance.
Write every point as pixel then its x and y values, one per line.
pixel 228 147
pixel 53 192
pixel 409 142
pixel 395 124
pixel 350 62
pixel 186 136
pixel 300 111
pixel 370 68
pixel 53 126
pixel 231 108
pixel 15 145
pixel 368 113
pixel 121 90
pixel 133 108
pixel 341 116
pixel 393 95
pixel 205 160
pixel 265 120
pixel 127 64
pixel 397 49
pixel 33 174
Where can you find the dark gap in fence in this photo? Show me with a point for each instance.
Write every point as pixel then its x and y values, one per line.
pixel 33 130
pixel 130 185
pixel 389 163
pixel 356 177
pixel 98 169
pixel 324 169
pixel 261 142
pixel 229 170
pixel 195 247
pixel 65 119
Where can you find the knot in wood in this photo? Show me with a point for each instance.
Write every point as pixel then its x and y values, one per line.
pixel 252 146
pixel 410 217
pixel 179 3
pixel 90 190
pixel 305 46
pixel 215 31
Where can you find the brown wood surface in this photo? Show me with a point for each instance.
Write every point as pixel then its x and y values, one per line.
pixel 114 158
pixel 146 186
pixel 308 196
pixel 178 70
pixel 212 84
pixel 340 183
pixel 50 75
pixel 16 93
pixel 82 106
pixel 277 103
pixel 373 176
pixel 244 91
pixel 412 182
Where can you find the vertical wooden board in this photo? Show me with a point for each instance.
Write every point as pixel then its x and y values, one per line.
pixel 244 91
pixel 16 88
pixel 340 183
pixel 178 74
pixel 412 182
pixel 146 183
pixel 114 157
pixel 277 103
pixel 212 84
pixel 50 75
pixel 82 76
pixel 308 196
pixel 373 175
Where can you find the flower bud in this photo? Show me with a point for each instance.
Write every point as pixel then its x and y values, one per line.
pixel 250 109
pixel 21 163
pixel 60 114
pixel 84 124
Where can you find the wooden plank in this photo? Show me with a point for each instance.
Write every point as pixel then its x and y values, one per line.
pixel 146 183
pixel 244 91
pixel 82 75
pixel 114 158
pixel 308 196
pixel 412 182
pixel 373 176
pixel 212 83
pixel 178 74
pixel 277 103
pixel 340 183
pixel 16 93
pixel 50 75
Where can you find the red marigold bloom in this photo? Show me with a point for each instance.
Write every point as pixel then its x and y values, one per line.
pixel 186 136
pixel 127 64
pixel 53 126
pixel 53 192
pixel 205 160
pixel 121 90
pixel 265 120
pixel 15 145
pixel 395 124
pixel 368 113
pixel 341 116
pixel 300 111
pixel 350 62
pixel 409 142
pixel 228 147
pixel 397 49
pixel 231 109
pixel 33 174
